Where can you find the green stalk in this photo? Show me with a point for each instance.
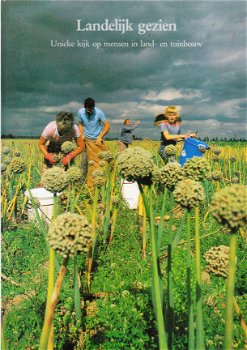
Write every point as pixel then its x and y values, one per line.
pixel 47 326
pixel 230 293
pixel 94 237
pixel 94 216
pixel 170 308
pixel 3 343
pixel 77 299
pixel 161 223
pixel 199 313
pixel 156 279
pixel 51 278
pixel 191 342
pixel 178 234
pixel 107 217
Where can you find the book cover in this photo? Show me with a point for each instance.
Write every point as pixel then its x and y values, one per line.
pixel 134 58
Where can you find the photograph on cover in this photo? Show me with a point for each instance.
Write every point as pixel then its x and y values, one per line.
pixel 123 174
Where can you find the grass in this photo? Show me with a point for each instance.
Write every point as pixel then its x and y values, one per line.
pixel 118 309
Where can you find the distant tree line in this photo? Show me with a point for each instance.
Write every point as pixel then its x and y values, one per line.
pixel 206 139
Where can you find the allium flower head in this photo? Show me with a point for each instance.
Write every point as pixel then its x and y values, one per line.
pixel 6 150
pixel 235 180
pixel 156 174
pixel 202 149
pixel 3 168
pixel 57 157
pixel 68 146
pixel 7 160
pixel 218 260
pixel 74 174
pixel 229 207
pixel 115 199
pixel 196 168
pixel 106 156
pixel 55 179
pixel 98 177
pixel 136 164
pixel 171 174
pixel 232 159
pixel 216 159
pixel 217 175
pixel 102 163
pixel 217 151
pixel 189 193
pixel 17 166
pixel 69 234
pixel 170 150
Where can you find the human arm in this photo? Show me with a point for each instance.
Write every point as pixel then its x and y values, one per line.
pixel 105 130
pixel 178 137
pixel 81 128
pixel 47 155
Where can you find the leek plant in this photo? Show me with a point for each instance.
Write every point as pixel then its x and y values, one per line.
pixel 229 208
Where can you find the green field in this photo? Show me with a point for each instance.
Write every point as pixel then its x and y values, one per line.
pixel 150 285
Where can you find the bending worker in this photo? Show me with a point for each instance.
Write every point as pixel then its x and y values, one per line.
pixel 93 126
pixel 55 134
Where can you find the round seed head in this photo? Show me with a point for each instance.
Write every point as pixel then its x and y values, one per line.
pixel 156 174
pixel 235 180
pixel 136 164
pixel 3 168
pixel 98 177
pixel 202 149
pixel 170 150
pixel 55 179
pixel 17 166
pixel 106 156
pixel 171 174
pixel 6 150
pixel 17 154
pixel 217 151
pixel 216 159
pixel 196 168
pixel 69 234
pixel 102 163
pixel 57 157
pixel 74 174
pixel 217 175
pixel 68 146
pixel 189 193
pixel 218 260
pixel 91 162
pixel 232 159
pixel 7 160
pixel 229 207
pixel 115 199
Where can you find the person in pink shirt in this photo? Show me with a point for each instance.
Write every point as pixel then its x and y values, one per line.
pixel 55 134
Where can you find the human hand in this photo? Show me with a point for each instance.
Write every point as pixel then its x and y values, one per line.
pixel 65 160
pixel 99 141
pixel 193 135
pixel 137 122
pixel 50 158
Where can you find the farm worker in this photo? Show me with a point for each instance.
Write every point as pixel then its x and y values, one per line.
pixel 170 130
pixel 126 136
pixel 93 126
pixel 55 134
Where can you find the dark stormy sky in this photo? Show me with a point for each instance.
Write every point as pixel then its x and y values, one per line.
pixel 207 83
